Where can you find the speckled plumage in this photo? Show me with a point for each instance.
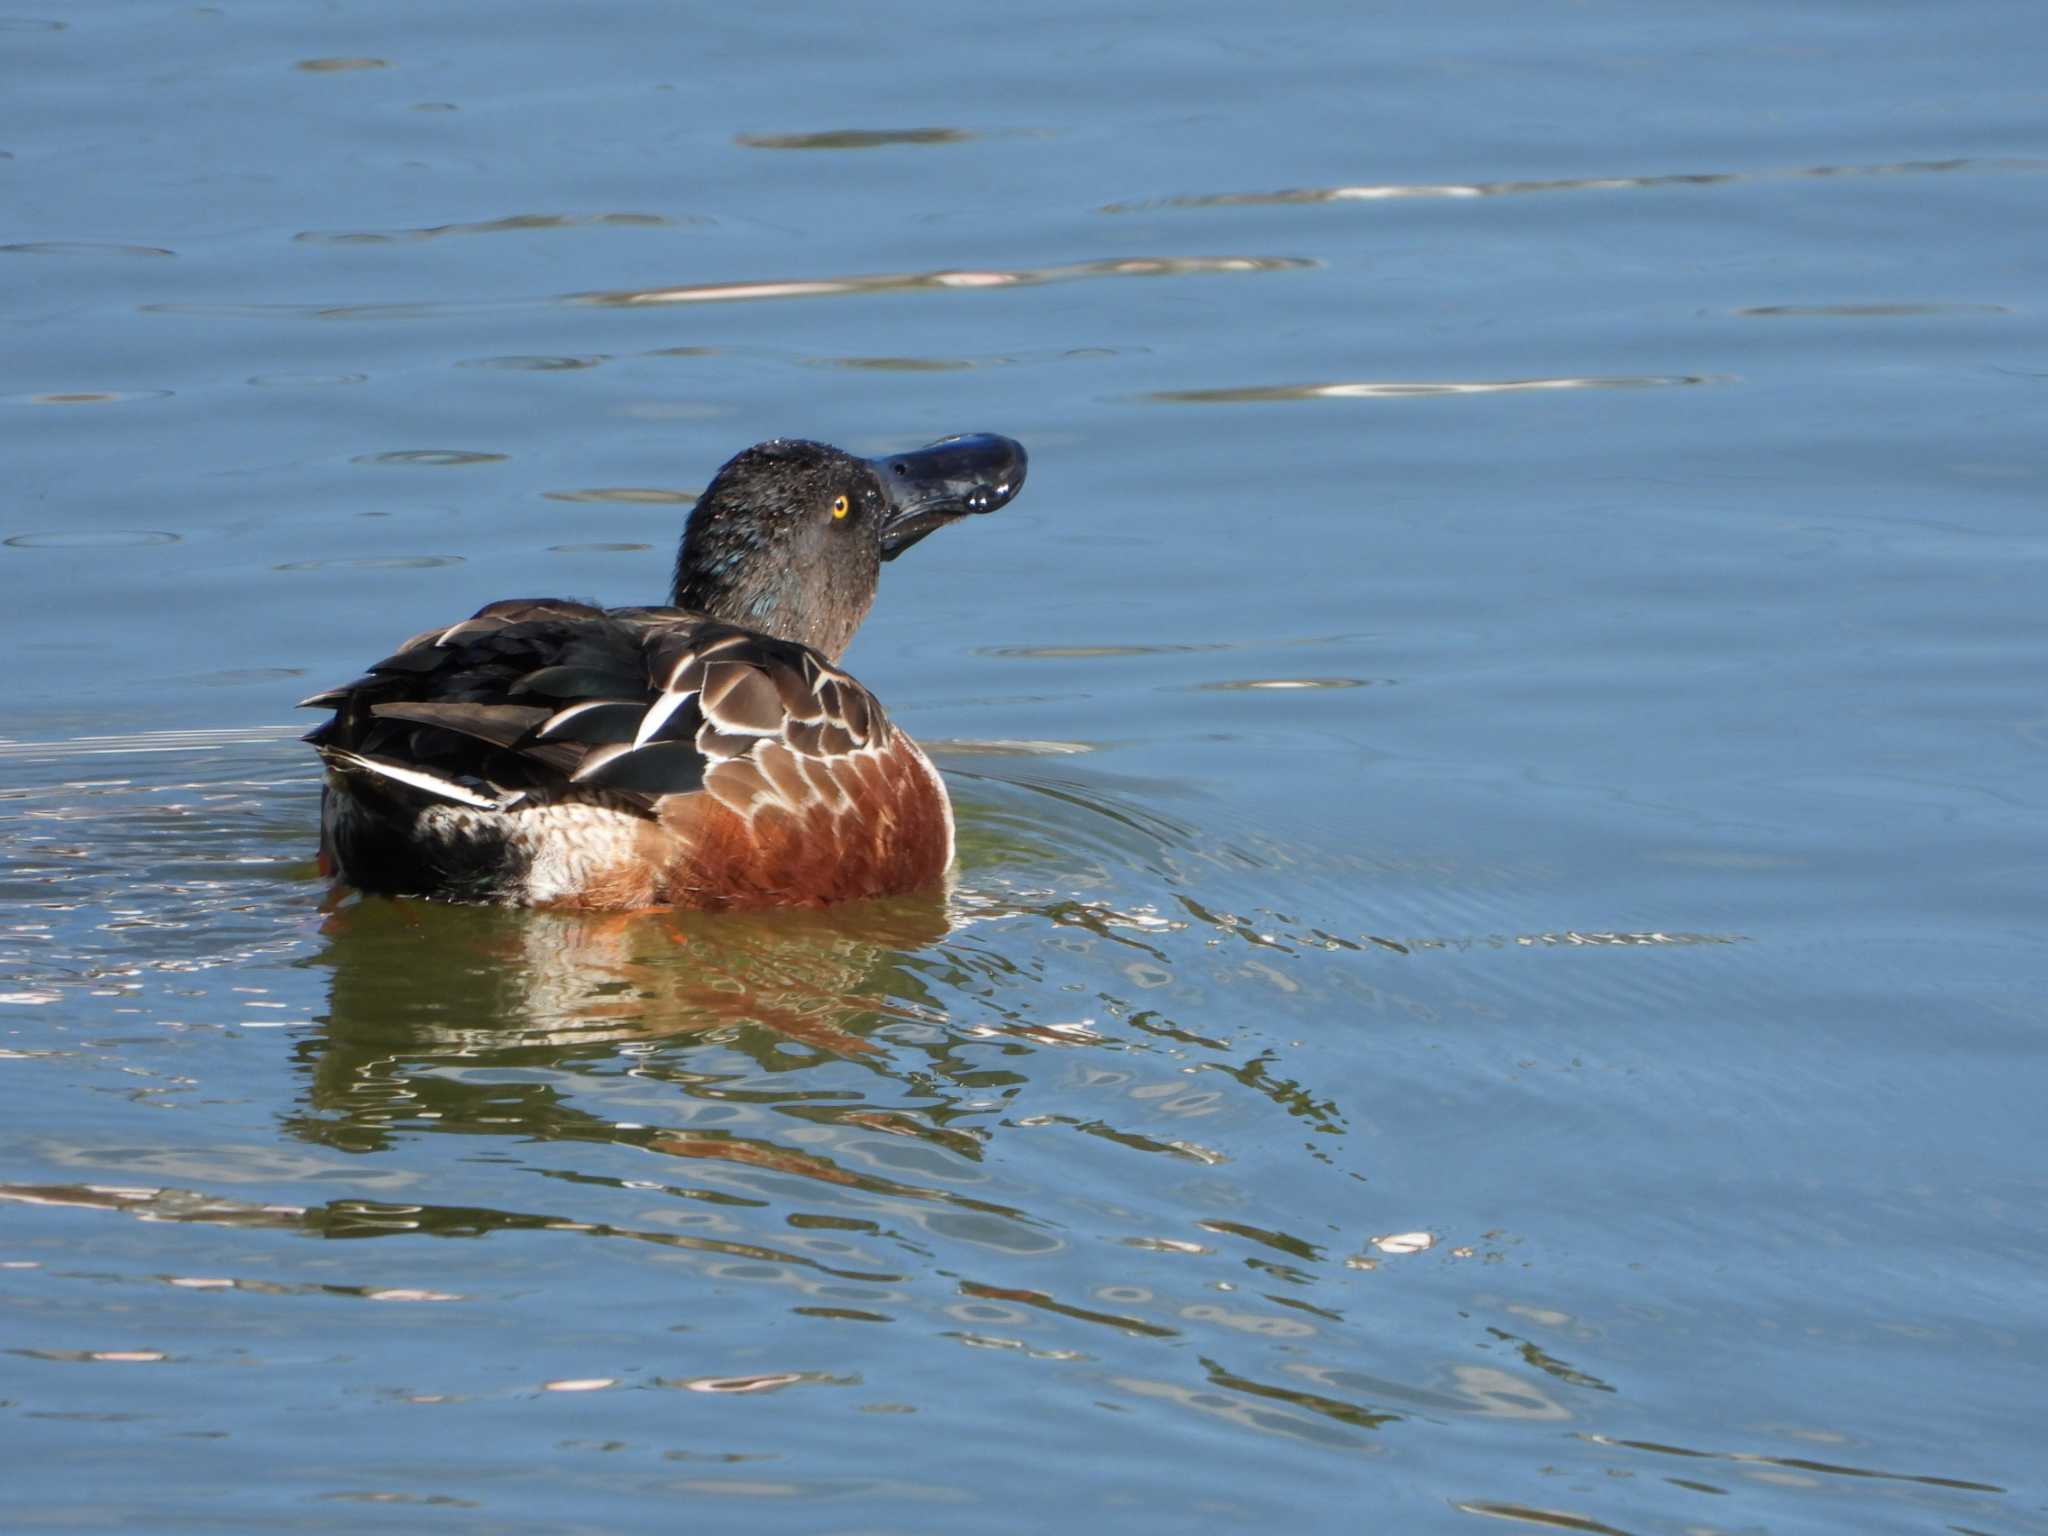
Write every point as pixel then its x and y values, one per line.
pixel 548 752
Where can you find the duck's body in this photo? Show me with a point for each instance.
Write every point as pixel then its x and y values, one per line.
pixel 547 752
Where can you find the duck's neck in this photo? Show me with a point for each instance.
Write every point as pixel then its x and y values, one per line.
pixel 728 571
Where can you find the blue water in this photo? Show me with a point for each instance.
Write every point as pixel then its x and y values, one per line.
pixel 1497 964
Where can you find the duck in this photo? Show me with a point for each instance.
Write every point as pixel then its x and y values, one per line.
pixel 708 754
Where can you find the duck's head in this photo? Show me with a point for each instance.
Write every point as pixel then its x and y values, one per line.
pixel 790 536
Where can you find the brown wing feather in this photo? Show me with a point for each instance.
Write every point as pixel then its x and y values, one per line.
pixel 835 805
pixel 768 776
pixel 501 725
pixel 889 831
pixel 473 703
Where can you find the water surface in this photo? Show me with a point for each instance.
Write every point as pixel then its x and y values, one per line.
pixel 1495 971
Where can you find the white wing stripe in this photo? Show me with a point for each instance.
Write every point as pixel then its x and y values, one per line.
pixel 658 715
pixel 431 783
pixel 562 719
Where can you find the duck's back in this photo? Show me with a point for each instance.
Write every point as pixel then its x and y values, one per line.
pixel 551 752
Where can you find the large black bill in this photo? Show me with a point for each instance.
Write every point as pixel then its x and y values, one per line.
pixel 932 486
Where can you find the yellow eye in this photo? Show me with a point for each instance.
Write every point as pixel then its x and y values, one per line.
pixel 839 506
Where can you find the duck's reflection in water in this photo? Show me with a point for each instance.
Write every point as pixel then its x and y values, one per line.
pixel 475 1019
pixel 784 1041
pixel 743 1052
pixel 552 1026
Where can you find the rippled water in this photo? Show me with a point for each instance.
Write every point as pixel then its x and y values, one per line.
pixel 1496 968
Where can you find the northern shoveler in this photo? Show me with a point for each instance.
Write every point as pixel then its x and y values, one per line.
pixel 707 754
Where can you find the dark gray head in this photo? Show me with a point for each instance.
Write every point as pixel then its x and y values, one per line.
pixel 790 536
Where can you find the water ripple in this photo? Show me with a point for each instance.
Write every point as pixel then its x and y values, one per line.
pixel 373 563
pixel 900 364
pixel 93 538
pixel 1382 192
pixel 88 397
pixel 648 495
pixel 1096 652
pixel 744 292
pixel 534 363
pixel 1527 1514
pixel 853 138
pixel 305 380
pixel 1285 684
pixel 145 742
pixel 518 223
pixel 946 278
pixel 81 248
pixel 432 458
pixel 1798 1463
pixel 1390 389
pixel 1866 311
